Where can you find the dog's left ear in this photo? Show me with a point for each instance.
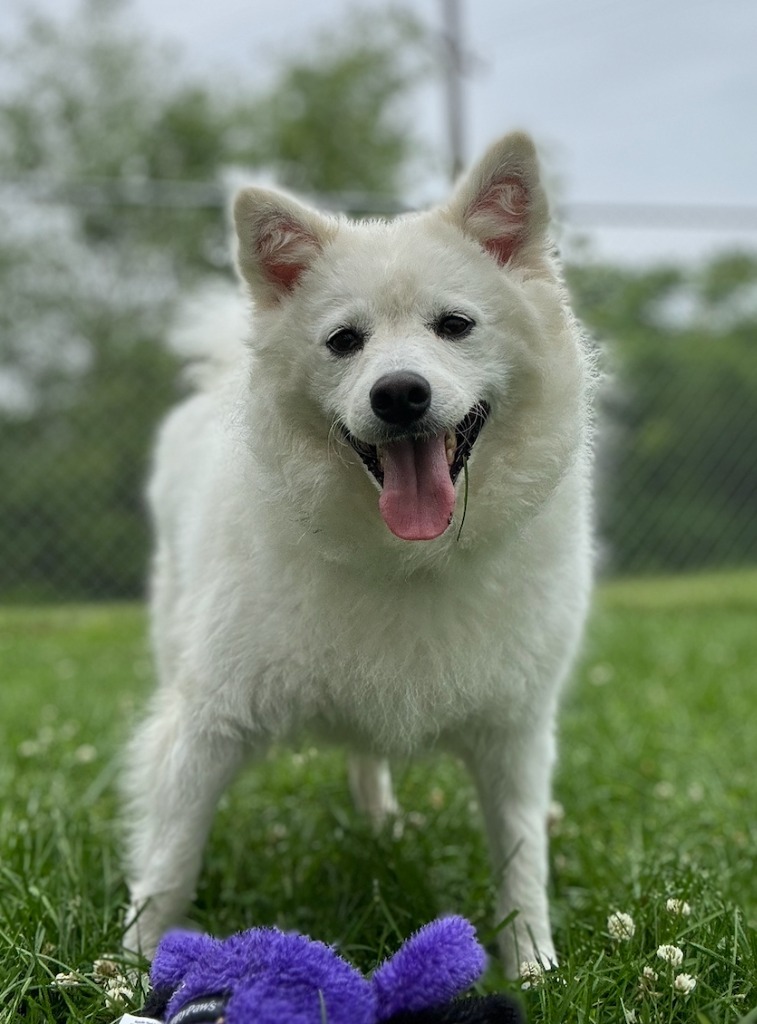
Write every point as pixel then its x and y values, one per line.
pixel 502 204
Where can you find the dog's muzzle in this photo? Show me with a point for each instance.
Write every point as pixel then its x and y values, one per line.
pixel 416 471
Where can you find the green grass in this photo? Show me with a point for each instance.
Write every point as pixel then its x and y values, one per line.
pixel 656 779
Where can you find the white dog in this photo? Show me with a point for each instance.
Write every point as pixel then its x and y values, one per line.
pixel 375 526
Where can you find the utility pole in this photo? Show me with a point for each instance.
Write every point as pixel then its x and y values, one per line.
pixel 453 84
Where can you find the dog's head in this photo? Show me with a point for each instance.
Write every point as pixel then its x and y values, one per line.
pixel 419 343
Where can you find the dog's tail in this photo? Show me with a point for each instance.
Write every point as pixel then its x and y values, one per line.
pixel 209 333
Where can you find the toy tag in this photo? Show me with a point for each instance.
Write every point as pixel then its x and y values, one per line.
pixel 129 1018
pixel 205 1010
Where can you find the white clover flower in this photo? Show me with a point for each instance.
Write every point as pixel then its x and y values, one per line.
pixel 601 674
pixel 696 792
pixel 105 968
pixel 671 955
pixel 531 973
pixel 68 730
pixel 46 735
pixel 679 907
pixel 107 972
pixel 647 980
pixel 621 926
pixel 664 790
pixel 684 983
pixel 64 980
pixel 437 798
pixel 555 816
pixel 117 990
pixel 85 754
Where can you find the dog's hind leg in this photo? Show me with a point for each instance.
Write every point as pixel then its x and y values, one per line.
pixel 371 788
pixel 175 774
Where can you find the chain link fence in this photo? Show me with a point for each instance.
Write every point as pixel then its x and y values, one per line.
pixel 85 377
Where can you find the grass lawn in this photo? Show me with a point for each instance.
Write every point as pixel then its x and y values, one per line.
pixel 656 783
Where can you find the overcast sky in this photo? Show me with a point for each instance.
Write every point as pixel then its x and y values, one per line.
pixel 641 102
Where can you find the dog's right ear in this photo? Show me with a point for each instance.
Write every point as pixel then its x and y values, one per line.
pixel 278 241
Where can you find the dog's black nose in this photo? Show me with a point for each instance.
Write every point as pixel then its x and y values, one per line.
pixel 400 398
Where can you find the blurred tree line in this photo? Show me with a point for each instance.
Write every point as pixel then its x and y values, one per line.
pixel 112 186
pixel 677 481
pixel 113 162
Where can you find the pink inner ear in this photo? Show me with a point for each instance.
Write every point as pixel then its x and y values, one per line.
pixel 284 274
pixel 285 249
pixel 499 216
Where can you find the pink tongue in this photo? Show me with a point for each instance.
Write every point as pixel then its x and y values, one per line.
pixel 418 497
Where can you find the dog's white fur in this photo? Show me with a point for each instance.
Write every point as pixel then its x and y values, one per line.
pixel 281 601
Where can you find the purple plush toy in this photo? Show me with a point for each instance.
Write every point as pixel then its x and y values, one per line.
pixel 264 976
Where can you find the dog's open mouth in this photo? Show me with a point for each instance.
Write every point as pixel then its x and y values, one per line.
pixel 417 475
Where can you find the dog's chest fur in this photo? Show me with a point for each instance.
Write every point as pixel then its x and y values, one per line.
pixel 382 657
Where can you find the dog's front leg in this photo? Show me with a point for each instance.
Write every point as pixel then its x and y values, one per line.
pixel 512 770
pixel 174 777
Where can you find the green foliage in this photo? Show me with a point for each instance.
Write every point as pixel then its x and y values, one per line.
pixel 333 120
pixel 73 506
pixel 100 111
pixel 129 154
pixel 654 779
pixel 679 483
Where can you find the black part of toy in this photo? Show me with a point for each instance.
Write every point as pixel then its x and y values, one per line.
pixel 157 1002
pixel 494 1009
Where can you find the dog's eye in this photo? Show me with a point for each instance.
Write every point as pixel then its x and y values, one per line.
pixel 454 325
pixel 344 341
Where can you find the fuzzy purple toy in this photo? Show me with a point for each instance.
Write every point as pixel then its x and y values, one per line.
pixel 265 976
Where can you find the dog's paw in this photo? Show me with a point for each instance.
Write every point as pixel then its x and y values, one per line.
pixel 147 919
pixel 525 959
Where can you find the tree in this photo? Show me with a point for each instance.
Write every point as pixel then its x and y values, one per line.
pixel 336 119
pixel 112 164
pixel 678 484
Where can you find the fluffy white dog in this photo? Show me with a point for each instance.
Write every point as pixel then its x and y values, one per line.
pixel 313 570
